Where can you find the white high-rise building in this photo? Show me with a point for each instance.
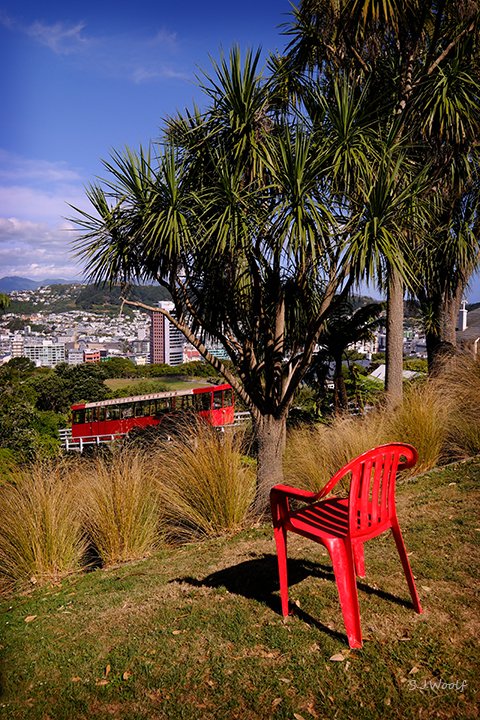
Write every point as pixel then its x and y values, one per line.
pixel 166 341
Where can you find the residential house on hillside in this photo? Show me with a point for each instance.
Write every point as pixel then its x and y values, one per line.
pixel 468 332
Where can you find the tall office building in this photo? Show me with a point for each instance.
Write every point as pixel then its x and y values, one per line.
pixel 166 342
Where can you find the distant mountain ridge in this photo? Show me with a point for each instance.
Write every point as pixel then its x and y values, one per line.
pixel 13 282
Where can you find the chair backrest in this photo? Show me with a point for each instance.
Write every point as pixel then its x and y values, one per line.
pixel 371 505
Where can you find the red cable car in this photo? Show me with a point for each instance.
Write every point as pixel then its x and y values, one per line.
pixel 112 418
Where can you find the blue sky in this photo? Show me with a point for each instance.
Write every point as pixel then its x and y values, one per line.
pixel 81 78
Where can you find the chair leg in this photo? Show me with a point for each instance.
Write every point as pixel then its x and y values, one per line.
pixel 402 551
pixel 280 535
pixel 341 554
pixel 359 558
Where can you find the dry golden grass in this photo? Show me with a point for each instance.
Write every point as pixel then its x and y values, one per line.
pixel 313 456
pixel 120 505
pixel 459 384
pixel 41 537
pixel 207 487
pixel 440 417
pixel 422 420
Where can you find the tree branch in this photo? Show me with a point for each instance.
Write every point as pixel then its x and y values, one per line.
pixel 450 47
pixel 194 340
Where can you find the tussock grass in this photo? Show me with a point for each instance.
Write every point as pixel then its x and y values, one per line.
pixel 422 420
pixel 313 456
pixel 41 537
pixel 440 417
pixel 459 384
pixel 207 487
pixel 120 505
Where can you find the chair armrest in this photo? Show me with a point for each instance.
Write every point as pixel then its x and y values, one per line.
pixel 296 493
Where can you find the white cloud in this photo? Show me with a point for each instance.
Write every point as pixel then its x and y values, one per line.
pixel 15 167
pixel 39 190
pixel 26 202
pixel 36 250
pixel 144 74
pixel 165 37
pixel 6 20
pixel 133 57
pixel 61 38
pixel 35 238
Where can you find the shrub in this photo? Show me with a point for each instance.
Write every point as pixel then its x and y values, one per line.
pixel 120 505
pixel 41 538
pixel 207 487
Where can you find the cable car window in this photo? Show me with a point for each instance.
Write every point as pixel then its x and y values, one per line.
pixel 162 406
pixel 141 409
pixel 203 401
pixel 227 397
pixel 187 403
pixel 126 411
pixel 113 413
pixel 78 416
pixel 217 399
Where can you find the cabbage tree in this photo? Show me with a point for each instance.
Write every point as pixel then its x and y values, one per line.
pixel 419 62
pixel 235 214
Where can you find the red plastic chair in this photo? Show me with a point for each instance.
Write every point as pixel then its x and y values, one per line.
pixel 343 524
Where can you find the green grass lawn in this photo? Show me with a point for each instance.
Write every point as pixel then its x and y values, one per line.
pixel 172 383
pixel 195 631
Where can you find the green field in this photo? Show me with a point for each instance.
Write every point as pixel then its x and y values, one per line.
pixel 169 383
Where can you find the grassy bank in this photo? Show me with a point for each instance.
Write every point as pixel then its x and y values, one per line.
pixel 195 632
pixel 146 385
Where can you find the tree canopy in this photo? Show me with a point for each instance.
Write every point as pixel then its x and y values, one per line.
pixel 239 216
pixel 419 63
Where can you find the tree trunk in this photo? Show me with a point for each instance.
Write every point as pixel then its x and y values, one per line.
pixel 394 349
pixel 270 433
pixel 442 344
pixel 438 351
pixel 341 398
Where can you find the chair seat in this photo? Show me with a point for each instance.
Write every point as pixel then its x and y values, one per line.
pixel 326 519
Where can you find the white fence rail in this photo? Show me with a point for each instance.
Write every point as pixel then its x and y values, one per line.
pixel 79 443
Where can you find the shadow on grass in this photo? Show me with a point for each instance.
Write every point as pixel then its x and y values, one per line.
pixel 257 579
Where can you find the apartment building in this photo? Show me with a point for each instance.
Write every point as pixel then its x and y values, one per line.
pixel 44 353
pixel 166 342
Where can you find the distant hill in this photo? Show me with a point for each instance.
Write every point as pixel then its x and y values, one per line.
pixel 64 296
pixel 8 284
pixel 98 297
